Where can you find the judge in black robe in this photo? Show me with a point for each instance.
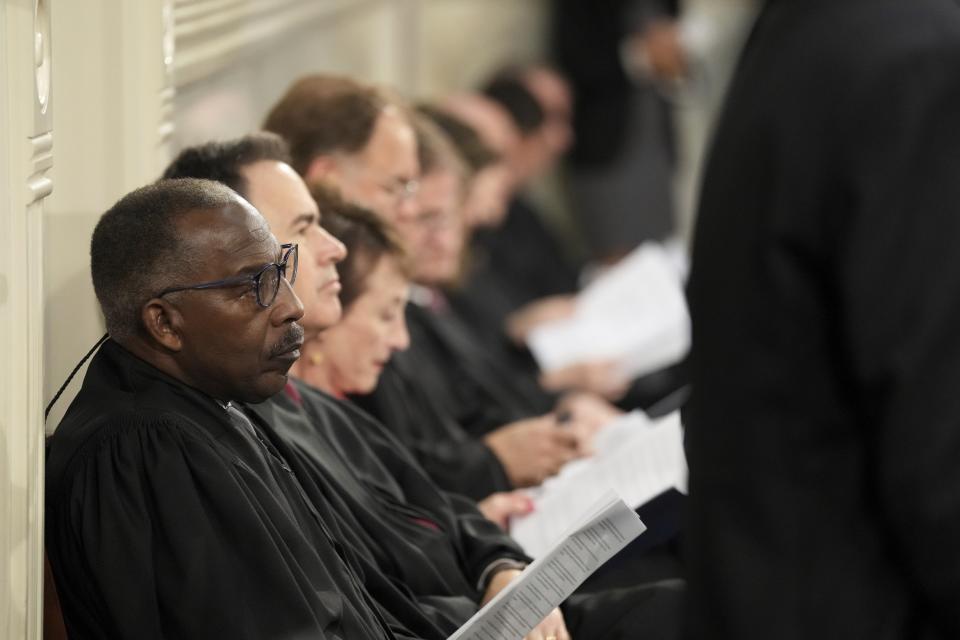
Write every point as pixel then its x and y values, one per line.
pixel 824 428
pixel 438 545
pixel 435 544
pixel 169 515
pixel 524 259
pixel 476 388
pixel 455 460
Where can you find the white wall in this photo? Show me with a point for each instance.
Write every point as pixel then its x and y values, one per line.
pixel 113 135
pixel 420 47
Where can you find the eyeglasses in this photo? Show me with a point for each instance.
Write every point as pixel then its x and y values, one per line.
pixel 266 282
pixel 401 190
pixel 434 220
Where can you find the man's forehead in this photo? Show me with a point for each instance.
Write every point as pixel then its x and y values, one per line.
pixel 278 192
pixel 233 234
pixel 393 139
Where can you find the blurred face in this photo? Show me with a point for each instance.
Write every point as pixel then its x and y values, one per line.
pixel 532 157
pixel 487 197
pixel 435 238
pixel 226 344
pixel 382 177
pixel 281 196
pixel 372 329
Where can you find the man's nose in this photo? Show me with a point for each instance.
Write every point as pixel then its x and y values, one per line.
pixel 326 248
pixel 406 209
pixel 287 306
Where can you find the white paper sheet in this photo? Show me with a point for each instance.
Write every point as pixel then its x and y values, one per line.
pixel 637 458
pixel 600 531
pixel 634 314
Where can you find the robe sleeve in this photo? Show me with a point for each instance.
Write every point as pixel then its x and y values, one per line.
pixel 157 534
pixel 455 461
pixel 483 542
pixel 899 306
pixel 480 541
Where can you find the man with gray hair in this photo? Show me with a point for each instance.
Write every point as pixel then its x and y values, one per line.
pixel 171 509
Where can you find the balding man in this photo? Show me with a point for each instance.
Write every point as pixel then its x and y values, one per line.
pixel 448 556
pixel 351 137
pixel 436 547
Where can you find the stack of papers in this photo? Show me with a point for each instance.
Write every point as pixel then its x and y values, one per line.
pixel 599 532
pixel 637 458
pixel 634 314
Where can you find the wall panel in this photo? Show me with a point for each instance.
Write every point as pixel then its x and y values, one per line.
pixel 113 74
pixel 231 67
pixel 26 145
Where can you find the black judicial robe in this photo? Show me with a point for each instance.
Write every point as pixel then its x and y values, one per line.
pixel 476 388
pixel 166 519
pixel 435 544
pixel 823 434
pixel 523 258
pixel 508 267
pixel 454 459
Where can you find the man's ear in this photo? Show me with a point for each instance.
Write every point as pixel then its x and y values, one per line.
pixel 163 323
pixel 320 169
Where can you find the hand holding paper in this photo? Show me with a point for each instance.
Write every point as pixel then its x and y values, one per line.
pixel 634 314
pixel 603 530
pixel 633 456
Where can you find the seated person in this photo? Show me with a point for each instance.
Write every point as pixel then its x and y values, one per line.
pixel 170 510
pixel 479 292
pixel 515 279
pixel 349 356
pixel 441 551
pixel 356 140
pixel 437 546
pixel 468 383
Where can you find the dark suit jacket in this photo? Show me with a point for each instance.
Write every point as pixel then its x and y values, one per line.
pixel 586 45
pixel 824 428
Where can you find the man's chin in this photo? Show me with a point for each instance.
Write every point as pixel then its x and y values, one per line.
pixel 269 385
pixel 321 318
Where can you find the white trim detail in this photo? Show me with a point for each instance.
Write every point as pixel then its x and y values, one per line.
pixel 212 34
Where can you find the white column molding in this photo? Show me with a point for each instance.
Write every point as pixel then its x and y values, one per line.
pixel 26 146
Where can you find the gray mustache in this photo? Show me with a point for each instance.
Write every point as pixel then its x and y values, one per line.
pixel 292 339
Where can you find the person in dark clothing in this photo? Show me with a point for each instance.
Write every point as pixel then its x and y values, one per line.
pixel 353 138
pixel 438 547
pixel 823 433
pixel 523 243
pixel 391 517
pixel 517 275
pixel 369 158
pixel 171 511
pixel 484 297
pixel 434 542
pixel 621 164
pixel 341 361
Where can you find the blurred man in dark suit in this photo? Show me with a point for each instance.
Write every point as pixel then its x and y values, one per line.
pixel 824 428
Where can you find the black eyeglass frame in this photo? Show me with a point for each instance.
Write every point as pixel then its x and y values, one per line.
pixel 254 280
